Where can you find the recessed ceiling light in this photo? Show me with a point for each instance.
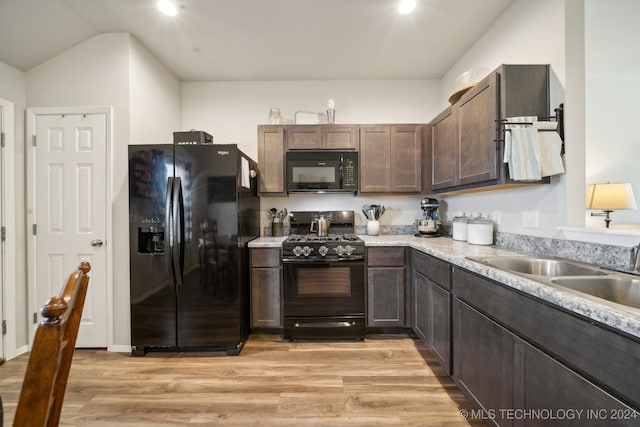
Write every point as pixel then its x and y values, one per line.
pixel 406 6
pixel 166 7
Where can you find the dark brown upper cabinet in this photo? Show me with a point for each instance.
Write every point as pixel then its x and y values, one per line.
pixel 322 137
pixel 271 145
pixel 391 158
pixel 467 142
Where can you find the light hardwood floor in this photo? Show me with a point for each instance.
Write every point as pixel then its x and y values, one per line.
pixel 384 381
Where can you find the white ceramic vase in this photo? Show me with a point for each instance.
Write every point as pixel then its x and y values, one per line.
pixel 373 228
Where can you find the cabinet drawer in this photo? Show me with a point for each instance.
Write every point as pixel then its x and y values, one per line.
pixel 436 270
pixel 263 257
pixel 386 256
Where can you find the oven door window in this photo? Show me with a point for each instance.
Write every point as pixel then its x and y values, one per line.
pixel 324 282
pixel 323 289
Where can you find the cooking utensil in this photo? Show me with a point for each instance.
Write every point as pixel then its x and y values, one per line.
pixel 373 212
pixel 320 226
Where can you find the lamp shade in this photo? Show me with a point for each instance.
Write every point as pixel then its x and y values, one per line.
pixel 611 196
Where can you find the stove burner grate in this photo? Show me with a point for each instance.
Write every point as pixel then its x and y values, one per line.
pixel 304 238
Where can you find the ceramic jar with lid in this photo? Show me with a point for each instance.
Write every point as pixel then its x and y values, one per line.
pixel 480 231
pixel 460 227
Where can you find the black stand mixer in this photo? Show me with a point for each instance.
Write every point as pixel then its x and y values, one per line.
pixel 429 225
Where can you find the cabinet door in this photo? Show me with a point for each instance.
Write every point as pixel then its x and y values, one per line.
pixel 444 150
pixel 542 383
pixel 266 288
pixel 301 137
pixel 483 361
pixel 271 159
pixel 374 159
pixel 478 147
pixel 421 306
pixel 439 303
pixel 265 298
pixel 340 137
pixel 406 159
pixel 386 296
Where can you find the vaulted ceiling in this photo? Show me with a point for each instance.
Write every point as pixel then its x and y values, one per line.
pixel 259 39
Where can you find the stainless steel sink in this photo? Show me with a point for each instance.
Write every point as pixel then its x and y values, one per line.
pixel 539 266
pixel 619 289
pixel 610 286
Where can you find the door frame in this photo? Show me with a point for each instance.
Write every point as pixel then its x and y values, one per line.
pixel 8 218
pixel 32 114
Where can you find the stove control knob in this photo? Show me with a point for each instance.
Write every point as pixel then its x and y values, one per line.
pixel 297 251
pixel 323 250
pixel 306 251
pixel 339 250
pixel 349 250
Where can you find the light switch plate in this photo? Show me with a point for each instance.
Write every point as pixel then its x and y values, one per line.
pixel 530 219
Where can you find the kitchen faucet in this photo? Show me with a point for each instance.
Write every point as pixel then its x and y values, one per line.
pixel 635 259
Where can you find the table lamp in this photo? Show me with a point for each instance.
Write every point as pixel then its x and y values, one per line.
pixel 609 197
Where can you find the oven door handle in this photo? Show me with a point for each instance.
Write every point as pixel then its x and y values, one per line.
pixel 343 324
pixel 353 260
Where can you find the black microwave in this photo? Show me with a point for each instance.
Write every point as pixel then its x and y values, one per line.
pixel 322 171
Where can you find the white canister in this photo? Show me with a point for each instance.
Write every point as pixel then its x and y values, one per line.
pixel 480 231
pixel 460 228
pixel 373 228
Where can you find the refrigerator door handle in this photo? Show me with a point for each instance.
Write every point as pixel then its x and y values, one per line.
pixel 168 220
pixel 178 220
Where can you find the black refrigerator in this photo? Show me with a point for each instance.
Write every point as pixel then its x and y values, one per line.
pixel 192 211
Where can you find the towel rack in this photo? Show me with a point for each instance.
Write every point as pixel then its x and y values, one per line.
pixel 558 117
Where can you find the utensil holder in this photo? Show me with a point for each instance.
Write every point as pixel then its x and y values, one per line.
pixel 373 228
pixel 276 229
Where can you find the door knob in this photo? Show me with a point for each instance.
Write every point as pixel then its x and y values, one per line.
pixel 96 242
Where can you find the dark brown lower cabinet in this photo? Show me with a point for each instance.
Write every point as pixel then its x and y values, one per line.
pixel 385 290
pixel 432 318
pixel 513 383
pixel 266 288
pixel 421 314
pixel 431 309
pixel 386 283
pixel 483 362
pixel 440 333
pixel 546 388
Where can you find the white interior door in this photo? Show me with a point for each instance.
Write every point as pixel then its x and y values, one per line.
pixel 3 230
pixel 70 213
pixel 12 307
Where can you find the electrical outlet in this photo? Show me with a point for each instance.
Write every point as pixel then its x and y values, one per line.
pixel 530 219
pixel 495 217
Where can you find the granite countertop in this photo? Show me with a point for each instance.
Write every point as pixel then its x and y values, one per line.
pixel 267 242
pixel 616 316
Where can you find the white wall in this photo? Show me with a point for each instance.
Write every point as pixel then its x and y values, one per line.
pixel 231 111
pixel 114 70
pixel 527 33
pixel 154 98
pixel 13 88
pixel 612 79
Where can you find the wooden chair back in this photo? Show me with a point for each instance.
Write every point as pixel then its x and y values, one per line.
pixel 45 379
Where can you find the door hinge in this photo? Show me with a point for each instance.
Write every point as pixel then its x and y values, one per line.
pixel 3 233
pixel 4 327
pixel 33 140
pixel 35 317
pixel 34 229
pixel 2 139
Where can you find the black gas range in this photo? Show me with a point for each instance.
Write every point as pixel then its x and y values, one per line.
pixel 339 243
pixel 323 286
